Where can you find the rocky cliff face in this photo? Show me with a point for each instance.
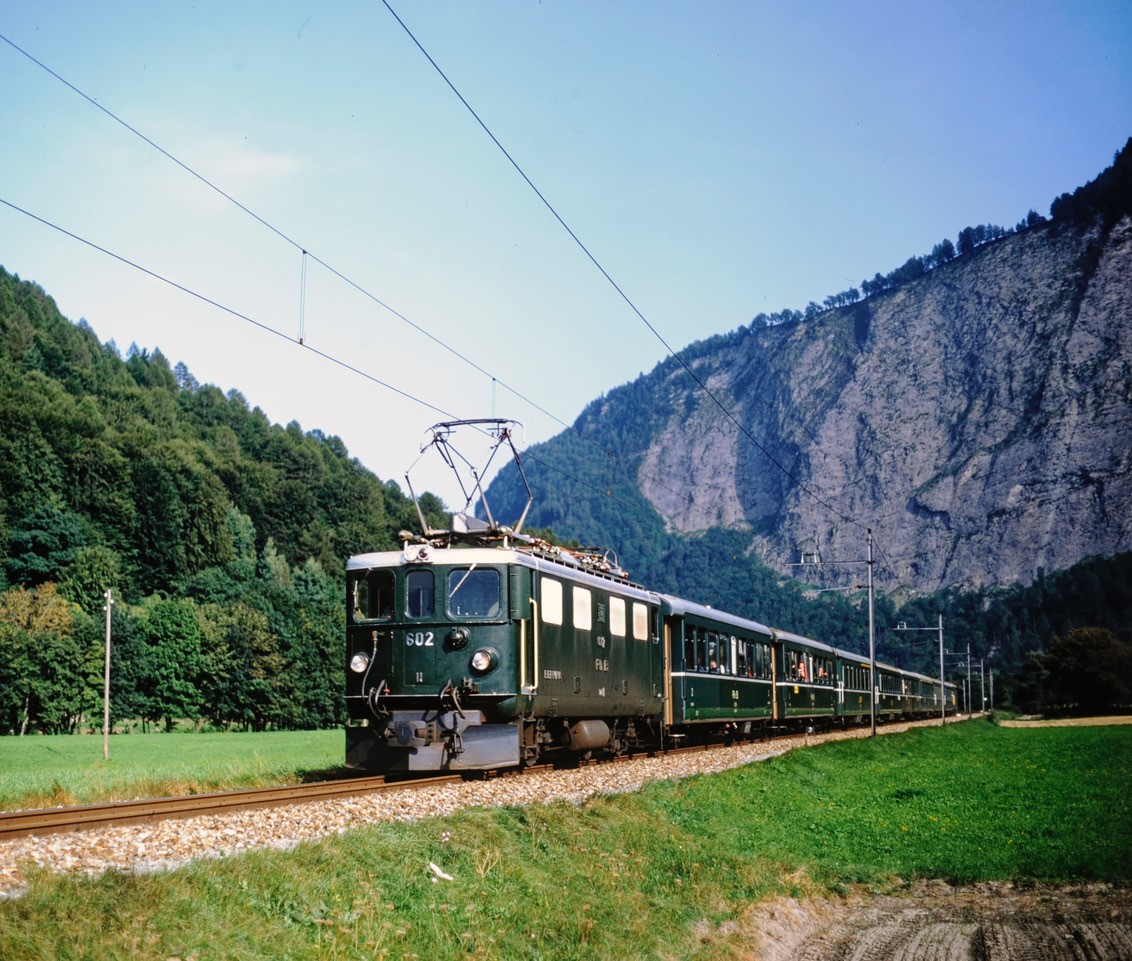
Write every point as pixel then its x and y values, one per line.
pixel 979 420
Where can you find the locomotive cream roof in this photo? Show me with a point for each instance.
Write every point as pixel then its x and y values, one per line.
pixel 537 560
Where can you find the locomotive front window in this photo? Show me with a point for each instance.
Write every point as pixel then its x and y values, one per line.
pixel 473 592
pixel 372 596
pixel 422 600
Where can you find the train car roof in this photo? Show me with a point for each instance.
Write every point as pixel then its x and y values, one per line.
pixel 863 660
pixel 781 635
pixel 427 555
pixel 679 605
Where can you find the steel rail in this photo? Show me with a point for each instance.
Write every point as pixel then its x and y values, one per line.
pixel 15 824
pixel 86 817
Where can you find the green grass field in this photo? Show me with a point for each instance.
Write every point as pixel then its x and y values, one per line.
pixel 55 770
pixel 657 874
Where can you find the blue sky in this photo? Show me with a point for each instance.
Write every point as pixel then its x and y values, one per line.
pixel 718 159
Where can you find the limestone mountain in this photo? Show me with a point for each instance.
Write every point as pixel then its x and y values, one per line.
pixel 977 416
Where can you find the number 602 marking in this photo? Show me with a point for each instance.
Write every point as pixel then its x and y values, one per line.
pixel 419 639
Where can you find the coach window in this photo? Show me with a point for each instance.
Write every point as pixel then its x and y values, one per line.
pixel 583 609
pixel 689 648
pixel 798 667
pixel 473 592
pixel 701 650
pixel 741 659
pixel 714 653
pixel 372 596
pixel 617 616
pixel 421 593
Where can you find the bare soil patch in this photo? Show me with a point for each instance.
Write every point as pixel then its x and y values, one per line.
pixel 937 922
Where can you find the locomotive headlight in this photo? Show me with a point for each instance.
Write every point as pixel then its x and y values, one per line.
pixel 359 662
pixel 484 660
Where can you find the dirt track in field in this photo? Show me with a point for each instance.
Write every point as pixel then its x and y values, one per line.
pixel 1068 721
pixel 937 922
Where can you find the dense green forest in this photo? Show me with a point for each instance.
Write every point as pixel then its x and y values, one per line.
pixel 222 537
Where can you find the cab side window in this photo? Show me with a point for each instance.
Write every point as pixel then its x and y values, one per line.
pixel 372 596
pixel 583 609
pixel 640 622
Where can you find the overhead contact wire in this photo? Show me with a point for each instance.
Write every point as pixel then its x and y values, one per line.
pixel 613 283
pixel 267 328
pixel 306 253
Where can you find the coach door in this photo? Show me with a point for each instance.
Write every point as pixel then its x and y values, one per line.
pixel 775 673
pixel 668 661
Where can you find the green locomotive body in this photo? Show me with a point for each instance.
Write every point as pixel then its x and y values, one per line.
pixel 468 658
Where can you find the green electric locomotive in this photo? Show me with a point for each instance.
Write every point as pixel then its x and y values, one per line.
pixel 474 657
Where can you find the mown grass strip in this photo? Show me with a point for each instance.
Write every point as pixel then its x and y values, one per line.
pixel 43 771
pixel 649 875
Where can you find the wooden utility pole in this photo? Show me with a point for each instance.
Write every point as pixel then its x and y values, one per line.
pixel 872 642
pixel 106 685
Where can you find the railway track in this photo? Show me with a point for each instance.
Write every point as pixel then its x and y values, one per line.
pixel 87 817
pixel 61 820
pixel 16 824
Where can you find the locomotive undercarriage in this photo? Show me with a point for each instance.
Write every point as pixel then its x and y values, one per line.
pixel 407 740
pixel 464 740
pixel 570 740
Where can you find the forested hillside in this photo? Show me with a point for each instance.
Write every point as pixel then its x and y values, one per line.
pixel 221 535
